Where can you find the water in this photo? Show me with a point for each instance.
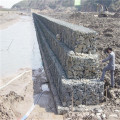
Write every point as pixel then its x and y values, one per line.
pixel 19 47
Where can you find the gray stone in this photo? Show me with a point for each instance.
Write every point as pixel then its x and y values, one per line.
pixel 70 70
pixel 103 116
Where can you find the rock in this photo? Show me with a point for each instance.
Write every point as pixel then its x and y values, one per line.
pixel 92 114
pixel 108 35
pixel 117 102
pixel 64 103
pixel 98 117
pixel 107 30
pixel 102 15
pixel 117 111
pixel 98 114
pixel 103 116
pixel 77 102
pixel 113 117
pixel 117 15
pixel 98 110
pixel 58 36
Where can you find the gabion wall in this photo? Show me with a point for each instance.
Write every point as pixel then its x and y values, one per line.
pixel 72 71
pixel 76 65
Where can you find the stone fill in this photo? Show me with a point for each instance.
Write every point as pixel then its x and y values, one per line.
pixel 72 71
pixel 76 65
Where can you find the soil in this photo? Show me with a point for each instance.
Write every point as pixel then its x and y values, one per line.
pixel 17 98
pixel 8 18
pixel 108 29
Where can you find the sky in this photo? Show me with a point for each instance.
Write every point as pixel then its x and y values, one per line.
pixel 8 3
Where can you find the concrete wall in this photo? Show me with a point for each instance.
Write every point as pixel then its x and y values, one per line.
pixel 72 71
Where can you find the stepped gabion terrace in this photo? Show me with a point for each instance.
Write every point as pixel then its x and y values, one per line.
pixel 69 52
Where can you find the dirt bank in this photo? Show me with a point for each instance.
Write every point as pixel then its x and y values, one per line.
pixel 108 29
pixel 8 18
pixel 17 98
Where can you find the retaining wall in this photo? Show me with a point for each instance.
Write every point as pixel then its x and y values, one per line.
pixel 75 65
pixel 71 71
